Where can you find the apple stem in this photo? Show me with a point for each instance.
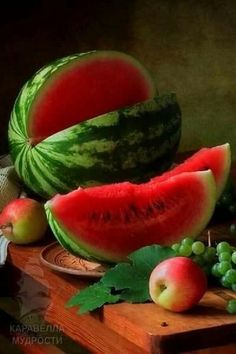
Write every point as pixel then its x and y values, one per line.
pixel 7 227
pixel 162 287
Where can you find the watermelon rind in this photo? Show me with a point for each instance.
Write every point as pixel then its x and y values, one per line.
pixel 216 158
pixel 134 143
pixel 199 213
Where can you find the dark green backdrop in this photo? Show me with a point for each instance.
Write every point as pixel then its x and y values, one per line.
pixel 189 46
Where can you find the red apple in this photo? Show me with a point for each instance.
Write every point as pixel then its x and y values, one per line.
pixel 177 284
pixel 23 221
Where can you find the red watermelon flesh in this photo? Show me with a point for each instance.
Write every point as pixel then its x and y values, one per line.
pixel 217 159
pixel 97 83
pixel 110 221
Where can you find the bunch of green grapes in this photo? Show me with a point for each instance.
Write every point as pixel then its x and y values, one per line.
pixel 225 267
pixel 226 205
pixel 204 255
pixel 219 263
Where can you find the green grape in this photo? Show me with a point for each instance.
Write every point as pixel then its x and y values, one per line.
pixel 226 199
pixel 198 247
pixel 231 306
pixel 206 269
pixel 232 249
pixel 232 228
pixel 185 250
pixel 224 256
pixel 215 271
pixel 176 247
pixel 233 287
pixel 233 257
pixel 187 241
pixel 209 254
pixel 199 260
pixel 223 247
pixel 232 209
pixel 224 282
pixel 223 267
pixel 230 276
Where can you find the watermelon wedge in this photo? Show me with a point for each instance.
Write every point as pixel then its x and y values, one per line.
pixel 90 119
pixel 217 159
pixel 108 222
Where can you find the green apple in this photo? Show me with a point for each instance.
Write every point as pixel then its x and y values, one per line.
pixel 177 284
pixel 23 221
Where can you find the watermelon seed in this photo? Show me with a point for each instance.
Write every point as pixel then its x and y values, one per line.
pixel 149 210
pixel 106 216
pixel 94 216
pixel 160 206
pixel 134 209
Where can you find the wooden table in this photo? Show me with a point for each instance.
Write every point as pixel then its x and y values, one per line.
pixel 125 328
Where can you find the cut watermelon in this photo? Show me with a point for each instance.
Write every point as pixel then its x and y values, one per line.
pixel 217 159
pixel 108 222
pixel 90 119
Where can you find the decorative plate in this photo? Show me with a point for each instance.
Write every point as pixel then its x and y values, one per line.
pixel 54 256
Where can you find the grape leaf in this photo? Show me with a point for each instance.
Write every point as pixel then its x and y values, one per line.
pixel 138 295
pixel 128 281
pixel 93 297
pixel 146 258
pixel 125 277
pixel 121 276
pixel 134 276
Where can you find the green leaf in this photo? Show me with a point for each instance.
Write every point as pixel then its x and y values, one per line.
pixel 133 283
pixel 136 295
pixel 74 300
pixel 93 297
pixel 146 258
pixel 130 280
pixel 120 277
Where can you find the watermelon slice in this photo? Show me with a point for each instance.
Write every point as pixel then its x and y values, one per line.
pixel 217 159
pixel 108 222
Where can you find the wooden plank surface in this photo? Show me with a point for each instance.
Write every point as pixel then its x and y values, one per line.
pixel 89 329
pixel 136 327
pixel 131 328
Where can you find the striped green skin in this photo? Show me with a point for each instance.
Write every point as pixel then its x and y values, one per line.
pixel 66 240
pixel 133 144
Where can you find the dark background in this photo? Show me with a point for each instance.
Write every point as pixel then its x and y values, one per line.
pixel 189 47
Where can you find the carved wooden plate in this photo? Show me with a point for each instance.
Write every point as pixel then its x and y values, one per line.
pixel 57 258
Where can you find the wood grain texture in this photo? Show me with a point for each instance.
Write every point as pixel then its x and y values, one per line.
pixel 88 330
pixel 127 328
pixel 132 328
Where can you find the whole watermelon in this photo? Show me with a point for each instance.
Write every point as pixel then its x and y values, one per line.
pixel 91 119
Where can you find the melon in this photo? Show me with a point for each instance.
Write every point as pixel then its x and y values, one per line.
pixel 108 222
pixel 91 119
pixel 216 158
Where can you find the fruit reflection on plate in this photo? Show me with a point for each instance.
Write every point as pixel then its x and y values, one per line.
pixel 57 258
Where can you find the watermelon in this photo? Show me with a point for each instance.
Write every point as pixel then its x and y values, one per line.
pixel 110 221
pixel 90 119
pixel 217 159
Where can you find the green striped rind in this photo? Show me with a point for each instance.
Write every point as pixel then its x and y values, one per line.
pixel 66 240
pixel 132 144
